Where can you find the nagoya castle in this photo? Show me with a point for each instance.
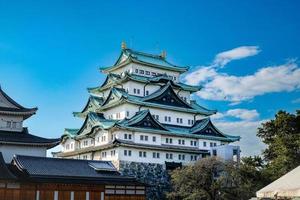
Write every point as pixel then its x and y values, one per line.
pixel 142 118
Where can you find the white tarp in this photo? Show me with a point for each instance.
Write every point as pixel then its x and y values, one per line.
pixel 286 186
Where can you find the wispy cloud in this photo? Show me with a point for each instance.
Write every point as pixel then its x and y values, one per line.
pixel 222 86
pixel 280 78
pixel 225 57
pixel 245 125
pixel 296 100
pixel 242 114
pixel 204 73
pixel 250 144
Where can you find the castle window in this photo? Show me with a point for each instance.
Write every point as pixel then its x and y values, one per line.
pixel 214 152
pixel 147 92
pixel 85 143
pixel 142 71
pixel 169 140
pixel 155 155
pixel 193 157
pixel 14 124
pixel 143 154
pixel 204 144
pixel 129 136
pixel 146 137
pixel 147 73
pixel 113 153
pixel 125 136
pixel 181 157
pixel 138 91
pixel 103 154
pixel 181 142
pixel 127 152
pixel 8 124
pixel 141 137
pixel 174 78
pixel 169 156
pixel 127 113
pixel 154 139
pixel 153 74
pixel 211 144
pixel 136 71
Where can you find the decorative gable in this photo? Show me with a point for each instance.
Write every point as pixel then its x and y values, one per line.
pixel 209 130
pixel 167 96
pixel 144 119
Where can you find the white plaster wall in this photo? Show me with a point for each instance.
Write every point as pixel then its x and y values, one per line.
pixel 89 143
pixel 152 69
pixel 132 109
pixel 17 119
pixel 149 159
pixel 150 138
pixel 71 143
pixel 122 109
pixel 9 151
pixel 100 134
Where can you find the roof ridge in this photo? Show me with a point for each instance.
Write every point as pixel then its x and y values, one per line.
pixel 145 54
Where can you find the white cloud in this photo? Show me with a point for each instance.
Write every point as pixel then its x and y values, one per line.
pixel 225 57
pixel 296 100
pixel 246 127
pixel 201 75
pixel 250 144
pixel 280 78
pixel 204 73
pixel 243 114
pixel 226 87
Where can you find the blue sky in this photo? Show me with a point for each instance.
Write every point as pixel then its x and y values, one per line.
pixel 50 52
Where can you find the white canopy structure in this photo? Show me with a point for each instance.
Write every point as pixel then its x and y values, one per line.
pixel 287 186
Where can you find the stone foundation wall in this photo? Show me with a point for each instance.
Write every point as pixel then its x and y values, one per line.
pixel 154 175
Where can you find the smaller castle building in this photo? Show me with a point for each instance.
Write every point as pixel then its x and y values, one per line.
pixel 16 139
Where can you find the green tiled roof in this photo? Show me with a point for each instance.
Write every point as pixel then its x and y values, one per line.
pixel 115 79
pixel 93 103
pixel 156 61
pixel 120 96
pixel 196 131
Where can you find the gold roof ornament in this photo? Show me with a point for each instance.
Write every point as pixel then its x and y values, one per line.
pixel 163 54
pixel 123 45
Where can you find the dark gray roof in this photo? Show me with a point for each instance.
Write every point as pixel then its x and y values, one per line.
pixel 5 174
pixel 18 109
pixel 43 169
pixel 24 138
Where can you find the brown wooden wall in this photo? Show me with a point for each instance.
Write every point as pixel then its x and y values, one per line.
pixel 46 192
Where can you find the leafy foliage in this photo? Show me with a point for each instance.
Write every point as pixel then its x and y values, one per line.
pixel 212 178
pixel 282 137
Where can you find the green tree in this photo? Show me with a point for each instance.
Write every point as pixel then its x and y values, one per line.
pixel 208 179
pixel 282 137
